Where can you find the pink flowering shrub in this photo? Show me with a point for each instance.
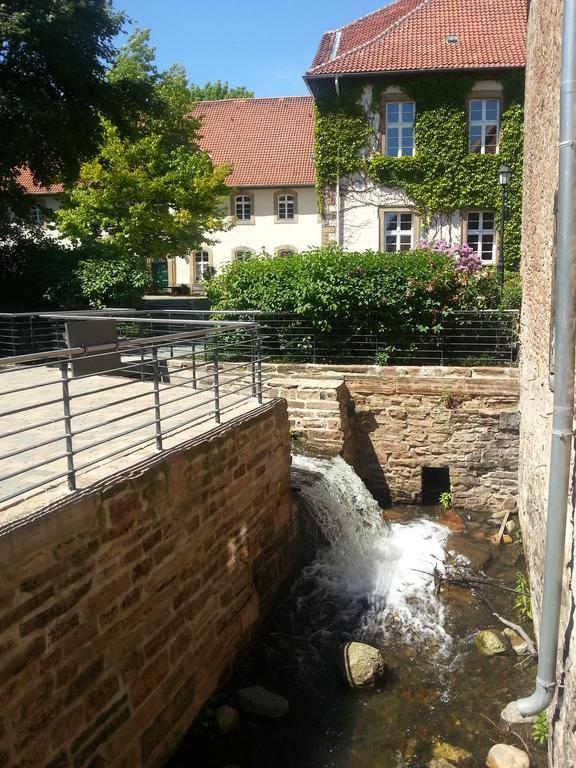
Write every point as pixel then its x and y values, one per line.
pixel 464 256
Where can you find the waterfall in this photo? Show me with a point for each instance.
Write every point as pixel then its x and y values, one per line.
pixel 372 580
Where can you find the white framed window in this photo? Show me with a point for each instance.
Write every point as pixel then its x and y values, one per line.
pixel 398 234
pixel 481 234
pixel 285 250
pixel 286 207
pixel 201 266
pixel 243 207
pixel 400 128
pixel 37 216
pixel 483 125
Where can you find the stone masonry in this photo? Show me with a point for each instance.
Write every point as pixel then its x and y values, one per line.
pixel 391 422
pixel 538 258
pixel 124 607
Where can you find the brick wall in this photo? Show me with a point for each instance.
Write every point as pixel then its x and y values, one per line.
pixel 391 422
pixel 124 607
pixel 538 255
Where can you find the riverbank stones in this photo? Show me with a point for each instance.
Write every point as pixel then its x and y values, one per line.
pixel 489 643
pixel 505 756
pixel 362 665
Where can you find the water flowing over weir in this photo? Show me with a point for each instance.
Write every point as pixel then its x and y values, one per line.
pixel 379 573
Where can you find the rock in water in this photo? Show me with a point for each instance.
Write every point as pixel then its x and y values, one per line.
pixel 505 756
pixel 258 701
pixel 439 762
pixel 519 645
pixel 476 555
pixel 227 719
pixel 452 520
pixel 450 755
pixel 362 665
pixel 489 642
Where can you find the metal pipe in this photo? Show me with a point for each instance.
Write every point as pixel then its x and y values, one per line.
pixel 563 410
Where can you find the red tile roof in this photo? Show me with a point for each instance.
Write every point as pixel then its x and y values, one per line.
pixel 268 142
pixel 26 180
pixel 410 35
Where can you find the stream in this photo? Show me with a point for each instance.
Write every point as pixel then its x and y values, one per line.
pixel 372 580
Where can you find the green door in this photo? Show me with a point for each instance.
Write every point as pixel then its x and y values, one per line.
pixel 160 274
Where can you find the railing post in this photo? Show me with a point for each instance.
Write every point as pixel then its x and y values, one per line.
pixel 253 358
pixel 216 379
pixel 194 379
pixel 157 419
pixel 68 425
pixel 259 367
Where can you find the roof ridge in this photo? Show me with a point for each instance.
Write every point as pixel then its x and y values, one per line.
pixel 388 29
pixel 251 98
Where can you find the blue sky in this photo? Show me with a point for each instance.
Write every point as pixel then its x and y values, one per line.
pixel 265 45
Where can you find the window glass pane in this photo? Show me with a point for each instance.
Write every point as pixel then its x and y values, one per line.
pixel 392 142
pixel 391 221
pixel 476 109
pixel 390 244
pixel 491 139
pixel 473 220
pixel 492 109
pixel 405 221
pixel 472 241
pixel 408 112
pixel 407 141
pixel 405 242
pixel 488 220
pixel 475 138
pixel 487 247
pixel 392 112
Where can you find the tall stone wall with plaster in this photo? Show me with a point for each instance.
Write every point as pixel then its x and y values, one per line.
pixel 538 258
pixel 124 607
pixel 391 422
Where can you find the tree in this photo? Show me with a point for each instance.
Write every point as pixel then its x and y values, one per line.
pixel 155 193
pixel 54 56
pixel 218 90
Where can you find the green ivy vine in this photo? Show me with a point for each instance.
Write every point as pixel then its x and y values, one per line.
pixel 442 176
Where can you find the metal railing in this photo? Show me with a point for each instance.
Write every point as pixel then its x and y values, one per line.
pixel 164 378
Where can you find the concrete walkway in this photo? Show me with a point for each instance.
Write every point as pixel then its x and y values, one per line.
pixel 112 422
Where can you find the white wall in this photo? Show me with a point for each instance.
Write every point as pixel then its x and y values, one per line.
pixel 264 232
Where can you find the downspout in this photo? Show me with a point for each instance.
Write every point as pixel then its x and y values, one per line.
pixel 563 411
pixel 338 203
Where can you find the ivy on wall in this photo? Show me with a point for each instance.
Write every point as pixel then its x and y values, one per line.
pixel 443 176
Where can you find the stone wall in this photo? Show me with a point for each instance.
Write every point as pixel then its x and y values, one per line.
pixel 124 607
pixel 390 422
pixel 538 256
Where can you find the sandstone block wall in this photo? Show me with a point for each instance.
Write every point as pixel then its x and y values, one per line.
pixel 538 257
pixel 391 422
pixel 122 609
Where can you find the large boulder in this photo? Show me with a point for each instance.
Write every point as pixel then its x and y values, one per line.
pixel 256 700
pixel 489 643
pixel 505 756
pixel 362 665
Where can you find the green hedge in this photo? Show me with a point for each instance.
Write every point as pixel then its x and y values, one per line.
pixel 400 295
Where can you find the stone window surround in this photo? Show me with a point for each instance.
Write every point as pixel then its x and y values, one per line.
pixel 277 196
pixel 387 98
pixel 383 210
pixel 242 193
pixel 242 249
pixel 192 263
pixel 464 233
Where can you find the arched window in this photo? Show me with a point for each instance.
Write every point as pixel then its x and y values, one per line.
pixel 202 266
pixel 242 254
pixel 243 207
pixel 285 250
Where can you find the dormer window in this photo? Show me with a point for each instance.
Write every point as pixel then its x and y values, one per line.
pixel 484 124
pixel 399 132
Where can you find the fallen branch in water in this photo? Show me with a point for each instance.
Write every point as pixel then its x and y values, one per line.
pixel 518 629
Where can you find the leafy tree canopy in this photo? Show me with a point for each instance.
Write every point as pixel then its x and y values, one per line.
pixel 54 55
pixel 154 193
pixel 218 90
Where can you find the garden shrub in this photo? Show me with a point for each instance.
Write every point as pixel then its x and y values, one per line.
pixel 511 292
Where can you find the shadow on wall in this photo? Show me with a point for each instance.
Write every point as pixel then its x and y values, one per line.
pixel 361 453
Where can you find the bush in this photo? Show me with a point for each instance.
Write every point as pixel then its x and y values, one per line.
pixel 108 277
pixel 399 295
pixel 511 292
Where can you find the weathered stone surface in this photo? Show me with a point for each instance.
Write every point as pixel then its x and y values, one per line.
pixel 362 665
pixel 519 645
pixel 473 553
pixel 451 754
pixel 227 719
pixel 506 756
pixel 452 520
pixel 489 643
pixel 440 762
pixel 257 700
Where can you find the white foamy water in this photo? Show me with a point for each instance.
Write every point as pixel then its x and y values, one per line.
pixel 390 566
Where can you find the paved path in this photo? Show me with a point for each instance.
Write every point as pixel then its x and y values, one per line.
pixel 110 414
